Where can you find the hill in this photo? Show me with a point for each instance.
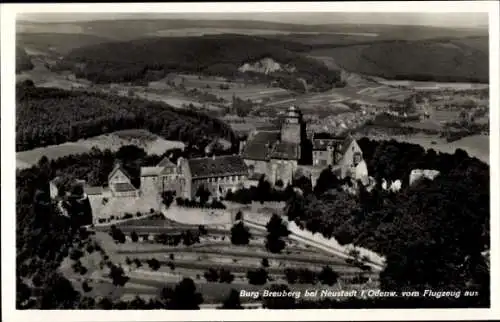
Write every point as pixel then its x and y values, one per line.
pixel 56 43
pixel 82 115
pixel 445 60
pixel 23 61
pixel 129 29
pixel 217 55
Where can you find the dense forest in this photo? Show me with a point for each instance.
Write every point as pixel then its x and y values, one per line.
pixel 46 116
pixel 439 60
pixel 432 233
pixel 217 55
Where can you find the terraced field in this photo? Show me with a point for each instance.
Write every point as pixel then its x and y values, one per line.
pixel 213 251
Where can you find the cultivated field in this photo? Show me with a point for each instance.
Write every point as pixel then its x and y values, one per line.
pixel 151 143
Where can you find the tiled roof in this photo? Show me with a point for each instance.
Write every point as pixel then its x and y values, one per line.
pixel 285 150
pixel 217 166
pixel 123 187
pixel 259 145
pixel 92 190
pixel 150 171
pixel 322 144
pixel 345 145
pixel 166 163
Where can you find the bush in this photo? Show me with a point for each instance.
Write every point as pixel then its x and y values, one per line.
pixel 85 287
pixel 76 254
pixel 128 261
pixel 171 257
pixel 90 248
pixel 327 276
pixel 128 216
pixel 265 262
pixel 154 264
pixel 225 276
pixel 137 262
pixel 171 265
pixel 211 275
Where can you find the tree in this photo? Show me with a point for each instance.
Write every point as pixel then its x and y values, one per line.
pixel 291 275
pixel 202 193
pixel 188 238
pixel 327 276
pixel 154 264
pixel 240 234
pixel 275 244
pixel 232 302
pixel 183 297
pixel 118 276
pixel 265 262
pixel 134 237
pixel 276 229
pixel 326 181
pixel 225 276
pixel 211 275
pixel 257 277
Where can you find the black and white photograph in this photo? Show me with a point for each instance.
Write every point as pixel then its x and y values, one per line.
pixel 214 160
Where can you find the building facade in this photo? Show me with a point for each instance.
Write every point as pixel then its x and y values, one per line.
pixel 279 155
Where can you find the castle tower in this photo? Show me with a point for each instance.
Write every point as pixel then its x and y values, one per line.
pixel 292 127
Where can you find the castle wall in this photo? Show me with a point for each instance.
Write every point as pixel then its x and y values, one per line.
pixel 282 170
pixel 218 186
pixel 260 167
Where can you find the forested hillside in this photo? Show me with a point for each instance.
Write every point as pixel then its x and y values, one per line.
pixel 432 234
pixel 442 60
pixel 46 116
pixel 220 55
pixel 56 43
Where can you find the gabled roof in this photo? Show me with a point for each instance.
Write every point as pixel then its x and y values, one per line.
pixel 151 171
pixel 166 163
pixel 217 166
pixel 118 167
pixel 92 190
pixel 345 145
pixel 123 187
pixel 285 151
pixel 260 144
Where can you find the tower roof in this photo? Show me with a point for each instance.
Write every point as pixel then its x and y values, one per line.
pixel 293 111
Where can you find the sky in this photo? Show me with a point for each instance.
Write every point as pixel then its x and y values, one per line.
pixel 452 20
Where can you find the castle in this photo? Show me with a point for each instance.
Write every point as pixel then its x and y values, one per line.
pixel 279 156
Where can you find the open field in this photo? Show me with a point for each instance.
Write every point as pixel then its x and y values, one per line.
pixel 151 143
pixel 237 88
